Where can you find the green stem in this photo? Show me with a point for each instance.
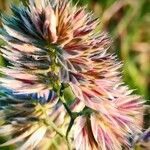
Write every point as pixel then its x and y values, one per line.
pixel 50 123
pixel 69 127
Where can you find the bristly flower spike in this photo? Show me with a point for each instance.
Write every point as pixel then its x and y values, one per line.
pixel 51 46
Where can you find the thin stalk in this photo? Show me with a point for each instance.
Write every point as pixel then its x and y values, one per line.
pixel 50 123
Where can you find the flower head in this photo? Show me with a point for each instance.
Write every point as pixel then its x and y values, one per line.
pixel 29 121
pixel 52 45
pixel 111 125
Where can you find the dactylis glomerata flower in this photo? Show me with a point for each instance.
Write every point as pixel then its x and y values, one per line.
pixel 53 49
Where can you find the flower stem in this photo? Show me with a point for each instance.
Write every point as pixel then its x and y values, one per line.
pixel 50 123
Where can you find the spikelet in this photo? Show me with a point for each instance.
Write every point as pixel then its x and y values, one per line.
pixel 53 44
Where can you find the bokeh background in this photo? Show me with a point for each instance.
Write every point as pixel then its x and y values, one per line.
pixel 128 23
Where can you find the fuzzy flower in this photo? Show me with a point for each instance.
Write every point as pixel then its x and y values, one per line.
pixel 53 45
pixel 109 128
pixel 28 120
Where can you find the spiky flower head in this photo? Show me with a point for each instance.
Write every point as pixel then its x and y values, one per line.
pixel 53 45
pixel 23 118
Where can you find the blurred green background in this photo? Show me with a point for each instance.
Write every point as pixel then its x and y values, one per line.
pixel 128 23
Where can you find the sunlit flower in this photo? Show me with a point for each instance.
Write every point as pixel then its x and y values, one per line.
pixel 52 45
pixel 111 125
pixel 28 121
pixel 48 41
